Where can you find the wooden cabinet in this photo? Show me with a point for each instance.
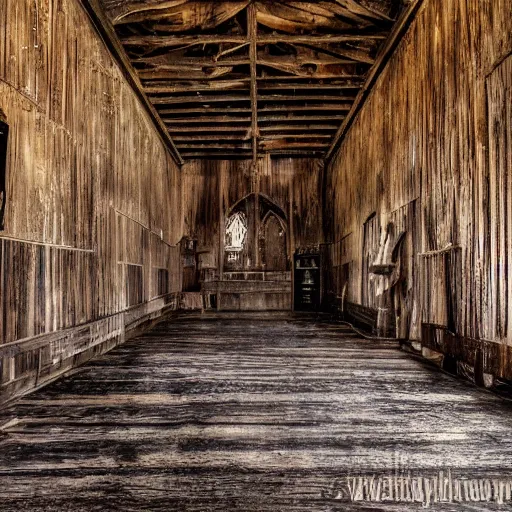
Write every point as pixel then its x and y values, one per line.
pixel 307 281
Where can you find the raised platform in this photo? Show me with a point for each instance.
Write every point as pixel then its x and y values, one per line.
pixel 252 291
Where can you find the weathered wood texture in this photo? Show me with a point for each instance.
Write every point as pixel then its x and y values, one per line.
pixel 430 152
pixel 189 52
pixel 93 210
pixel 211 188
pixel 259 416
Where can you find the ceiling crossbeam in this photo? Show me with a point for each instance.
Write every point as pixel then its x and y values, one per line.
pixel 270 80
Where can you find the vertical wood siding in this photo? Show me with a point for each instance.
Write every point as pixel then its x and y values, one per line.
pixel 93 211
pixel 436 131
pixel 210 188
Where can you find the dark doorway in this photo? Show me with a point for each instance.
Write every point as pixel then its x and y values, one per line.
pixel 370 248
pixel 275 257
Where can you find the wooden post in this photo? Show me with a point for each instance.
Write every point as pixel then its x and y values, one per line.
pixel 252 32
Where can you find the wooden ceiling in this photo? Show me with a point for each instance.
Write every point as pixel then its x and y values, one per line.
pixel 240 78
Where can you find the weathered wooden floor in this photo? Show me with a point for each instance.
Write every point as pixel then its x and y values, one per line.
pixel 253 416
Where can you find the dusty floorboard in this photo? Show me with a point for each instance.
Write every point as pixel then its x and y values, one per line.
pixel 252 415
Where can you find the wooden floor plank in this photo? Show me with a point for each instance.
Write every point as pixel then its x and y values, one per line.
pixel 253 415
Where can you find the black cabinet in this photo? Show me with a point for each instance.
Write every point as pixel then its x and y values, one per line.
pixel 4 133
pixel 307 282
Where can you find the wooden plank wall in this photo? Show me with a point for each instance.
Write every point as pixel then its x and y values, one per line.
pixel 434 132
pixel 211 187
pixel 93 212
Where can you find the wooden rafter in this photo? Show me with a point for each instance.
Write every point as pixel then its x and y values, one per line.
pixel 195 87
pixel 296 136
pixel 352 54
pixel 286 130
pixel 216 145
pixel 347 80
pixel 279 78
pixel 159 41
pixel 235 154
pixel 203 104
pixel 165 62
pixel 214 137
pixel 221 130
pixel 268 145
pixel 179 100
pixel 207 110
pixel 262 119
pixel 202 120
pixel 178 15
pixel 194 112
pixel 337 107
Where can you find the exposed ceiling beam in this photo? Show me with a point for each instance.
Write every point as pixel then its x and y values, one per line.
pixel 161 41
pixel 323 98
pixel 181 40
pixel 216 145
pixel 197 86
pixel 298 153
pixel 341 79
pixel 299 72
pixel 308 86
pixel 356 7
pixel 202 100
pixel 179 100
pixel 196 102
pixel 309 141
pixel 211 129
pixel 263 119
pixel 159 11
pixel 237 154
pixel 206 110
pixel 296 103
pixel 236 85
pixel 289 118
pixel 301 127
pixel 296 136
pixel 305 73
pixel 284 144
pixel 177 73
pixel 159 64
pixel 244 155
pixel 214 137
pixel 201 120
pixel 321 39
pixel 353 54
pixel 340 107
pixel 301 60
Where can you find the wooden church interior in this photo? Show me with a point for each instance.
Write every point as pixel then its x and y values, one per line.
pixel 329 161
